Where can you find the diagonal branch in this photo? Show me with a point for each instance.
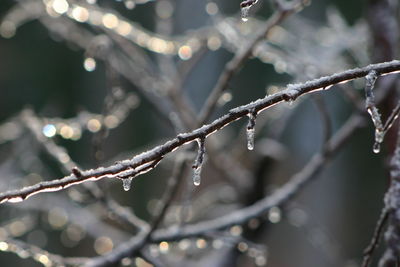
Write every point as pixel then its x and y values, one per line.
pixel 148 160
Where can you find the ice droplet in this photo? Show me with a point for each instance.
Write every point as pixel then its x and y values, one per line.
pixel 376 148
pixel 198 163
pixel 250 129
pixel 245 7
pixel 244 13
pixel 197 176
pixel 250 139
pixel 126 183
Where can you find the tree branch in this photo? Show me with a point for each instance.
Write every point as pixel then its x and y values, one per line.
pixel 148 160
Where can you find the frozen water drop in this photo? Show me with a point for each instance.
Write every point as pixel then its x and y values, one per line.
pixel 245 7
pixel 250 129
pixel 197 176
pixel 198 163
pixel 126 183
pixel 250 138
pixel 376 148
pixel 245 13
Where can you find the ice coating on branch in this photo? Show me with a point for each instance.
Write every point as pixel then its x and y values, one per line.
pixel 198 163
pixel 373 111
pixel 250 129
pixel 245 7
pixel 126 183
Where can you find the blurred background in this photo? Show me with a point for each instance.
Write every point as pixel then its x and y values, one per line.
pixel 100 92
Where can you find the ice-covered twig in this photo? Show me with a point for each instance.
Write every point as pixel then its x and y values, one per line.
pixel 148 160
pixel 373 110
pixel 198 163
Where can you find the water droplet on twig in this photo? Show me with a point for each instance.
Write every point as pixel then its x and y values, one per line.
pixel 245 7
pixel 244 13
pixel 126 183
pixel 376 148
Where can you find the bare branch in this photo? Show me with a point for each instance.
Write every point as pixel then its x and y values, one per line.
pixel 375 238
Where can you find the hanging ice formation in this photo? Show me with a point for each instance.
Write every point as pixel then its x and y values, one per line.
pixel 250 129
pixel 373 110
pixel 198 163
pixel 126 183
pixel 245 7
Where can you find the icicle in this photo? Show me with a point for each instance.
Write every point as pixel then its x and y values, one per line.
pixel 376 147
pixel 373 111
pixel 126 183
pixel 197 176
pixel 245 7
pixel 198 163
pixel 244 13
pixel 250 129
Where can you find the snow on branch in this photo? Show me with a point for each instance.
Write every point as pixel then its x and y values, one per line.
pixel 148 160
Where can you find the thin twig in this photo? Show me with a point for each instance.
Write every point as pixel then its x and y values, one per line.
pixel 393 116
pixel 325 117
pixel 169 193
pixel 376 237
